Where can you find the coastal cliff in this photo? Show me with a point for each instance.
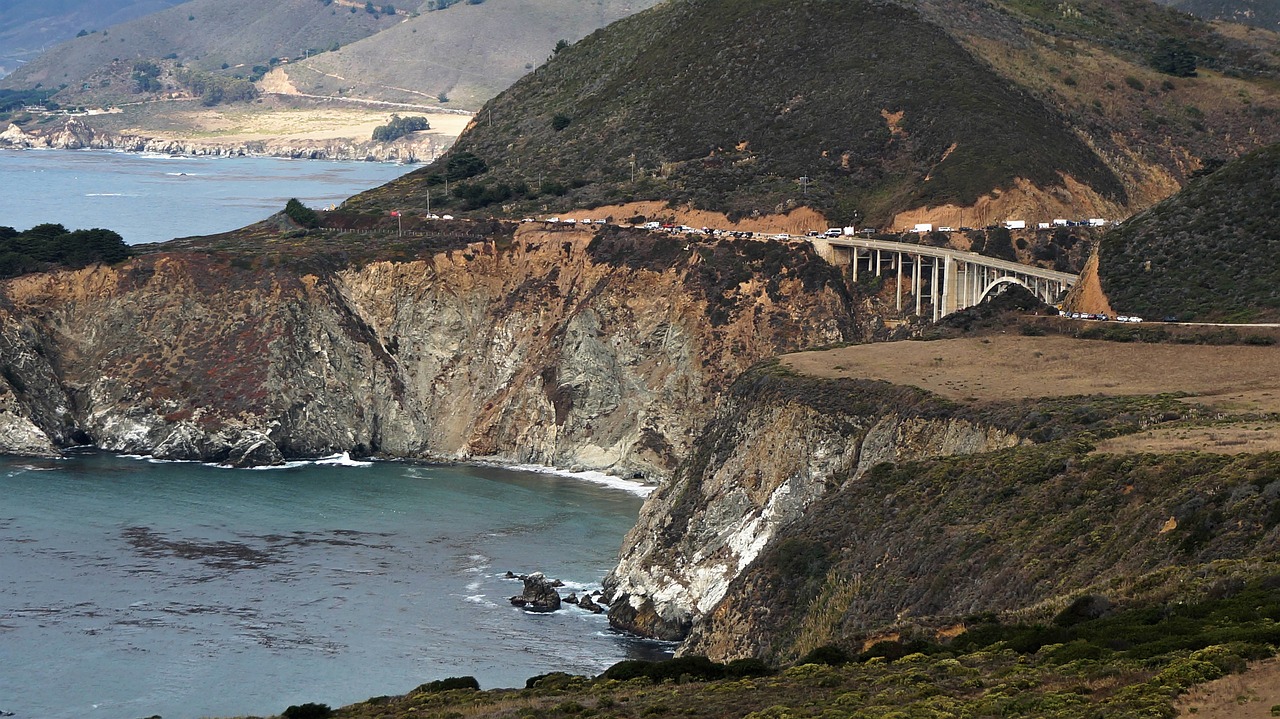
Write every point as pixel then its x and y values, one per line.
pixel 598 350
pixel 844 512
pixel 74 134
pixel 766 459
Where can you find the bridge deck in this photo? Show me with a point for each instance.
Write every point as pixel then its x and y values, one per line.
pixel 955 255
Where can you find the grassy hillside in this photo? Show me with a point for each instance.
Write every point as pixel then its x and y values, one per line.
pixel 27 28
pixel 466 53
pixel 691 102
pixel 1210 253
pixel 205 34
pixel 1258 13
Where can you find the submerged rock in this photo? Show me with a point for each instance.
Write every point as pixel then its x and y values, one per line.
pixel 590 606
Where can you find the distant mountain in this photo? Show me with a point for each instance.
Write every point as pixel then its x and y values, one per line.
pixel 466 53
pixel 871 111
pixel 463 53
pixel 1209 253
pixel 1259 13
pixel 207 34
pixel 28 27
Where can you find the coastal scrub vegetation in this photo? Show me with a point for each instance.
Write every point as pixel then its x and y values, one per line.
pixel 49 246
pixel 1209 253
pixel 1113 664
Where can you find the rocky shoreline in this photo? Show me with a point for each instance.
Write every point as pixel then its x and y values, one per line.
pixel 75 134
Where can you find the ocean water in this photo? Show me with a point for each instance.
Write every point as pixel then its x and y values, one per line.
pixel 130 588
pixel 153 198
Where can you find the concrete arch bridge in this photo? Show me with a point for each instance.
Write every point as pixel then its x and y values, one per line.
pixel 940 279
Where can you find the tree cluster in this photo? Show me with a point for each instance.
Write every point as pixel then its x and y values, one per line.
pixel 214 89
pixel 51 245
pixel 146 76
pixel 399 127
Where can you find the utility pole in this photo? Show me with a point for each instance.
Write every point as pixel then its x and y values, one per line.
pixel 804 185
pixel 428 201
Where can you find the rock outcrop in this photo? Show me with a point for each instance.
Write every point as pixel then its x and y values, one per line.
pixel 539 594
pixel 602 351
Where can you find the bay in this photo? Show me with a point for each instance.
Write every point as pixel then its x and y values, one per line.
pixel 132 588
pixel 153 198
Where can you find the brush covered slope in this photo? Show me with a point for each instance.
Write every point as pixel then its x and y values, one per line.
pixel 1210 253
pixel 757 107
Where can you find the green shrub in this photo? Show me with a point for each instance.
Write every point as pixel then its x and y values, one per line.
pixel 829 655
pixel 309 710
pixel 450 683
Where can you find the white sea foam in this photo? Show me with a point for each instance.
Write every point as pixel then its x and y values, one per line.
pixel 607 480
pixel 110 194
pixel 342 459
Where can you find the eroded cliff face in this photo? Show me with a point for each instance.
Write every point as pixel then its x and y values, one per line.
pixel 768 456
pixel 566 348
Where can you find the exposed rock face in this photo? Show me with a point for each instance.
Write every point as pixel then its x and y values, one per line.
pixel 763 462
pixel 74 134
pixel 548 349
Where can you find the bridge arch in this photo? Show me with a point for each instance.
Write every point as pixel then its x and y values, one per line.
pixel 999 281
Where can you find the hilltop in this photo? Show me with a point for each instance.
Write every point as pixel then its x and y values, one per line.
pixel 1015 111
pixel 1210 253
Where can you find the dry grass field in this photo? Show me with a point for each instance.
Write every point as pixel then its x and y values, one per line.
pixel 273 119
pixel 1237 380
pixel 1250 695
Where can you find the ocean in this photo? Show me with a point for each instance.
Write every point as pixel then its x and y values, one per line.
pixel 153 198
pixel 132 587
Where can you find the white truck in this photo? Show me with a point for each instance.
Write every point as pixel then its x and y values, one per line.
pixel 1015 224
pixel 923 227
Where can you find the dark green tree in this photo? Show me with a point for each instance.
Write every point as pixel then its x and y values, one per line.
pixel 301 214
pixel 1173 57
